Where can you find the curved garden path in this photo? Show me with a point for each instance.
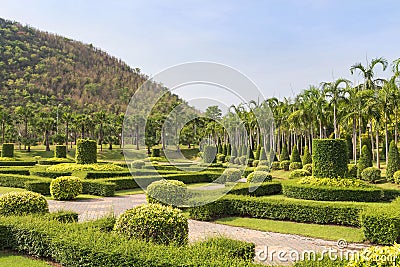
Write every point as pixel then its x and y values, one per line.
pixel 94 208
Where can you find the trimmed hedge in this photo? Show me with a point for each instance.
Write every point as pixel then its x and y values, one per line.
pixel 7 150
pixel 365 160
pixel 60 151
pixel 393 161
pixel 65 187
pixel 352 171
pixel 54 161
pixel 22 203
pixel 64 216
pixel 307 158
pixel 49 174
pixel 285 165
pixel 209 154
pixel 167 192
pixel 259 177
pixel 328 193
pixel 264 189
pixel 295 166
pixel 295 157
pixel 14 171
pixel 17 163
pixel 14 180
pixel 40 186
pixel 329 158
pixel 371 174
pixel 276 165
pixel 230 175
pixel 276 209
pixel 299 173
pixel 86 151
pixel 98 188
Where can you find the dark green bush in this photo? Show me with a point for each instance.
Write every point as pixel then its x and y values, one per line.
pixel 299 173
pixel 255 163
pixel 295 166
pixel 365 160
pixel 308 167
pixel 18 171
pixel 155 152
pixel 396 177
pixel 276 165
pixel 262 168
pixel 167 192
pixel 393 161
pixel 295 157
pixel 53 161
pixel 247 171
pixel 209 154
pixel 138 164
pixel 329 158
pixel 242 160
pixel 307 158
pixel 352 171
pixel 49 174
pixel 285 165
pixel 86 151
pixel 371 174
pixel 22 203
pixel 60 151
pixel 259 177
pixel 64 216
pixel 154 222
pixel 7 150
pixel 41 186
pixel 264 189
pixel 17 163
pixel 98 188
pixel 110 174
pixel 65 187
pixel 284 153
pixel 14 180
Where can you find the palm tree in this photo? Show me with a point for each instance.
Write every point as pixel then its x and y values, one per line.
pixel 368 72
pixel 67 118
pixel 101 118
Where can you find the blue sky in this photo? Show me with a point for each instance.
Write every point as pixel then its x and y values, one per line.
pixel 283 46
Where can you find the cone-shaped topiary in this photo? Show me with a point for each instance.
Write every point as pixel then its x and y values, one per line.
pixel 307 159
pixel 234 152
pixel 272 156
pixel 393 161
pixel 220 149
pixel 284 153
pixel 251 154
pixel 295 157
pixel 365 160
pixel 258 152
pixel 263 155
pixel 224 149
pixel 209 154
pixel 228 150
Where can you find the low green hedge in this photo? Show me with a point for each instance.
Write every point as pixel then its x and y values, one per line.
pixel 277 209
pixel 41 186
pixel 264 189
pixel 18 171
pixel 106 174
pixel 17 163
pixel 328 193
pixel 14 180
pixel 54 161
pixel 84 244
pixel 49 174
pixel 98 188
pixel 64 216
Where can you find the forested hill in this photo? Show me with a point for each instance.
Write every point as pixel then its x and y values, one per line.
pixel 47 69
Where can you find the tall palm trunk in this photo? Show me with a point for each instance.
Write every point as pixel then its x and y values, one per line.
pixel 386 139
pixel 378 163
pixel 395 124
pixel 66 135
pixel 354 140
pixel 334 120
pixel 372 139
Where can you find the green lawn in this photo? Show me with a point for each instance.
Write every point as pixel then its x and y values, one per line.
pixel 327 232
pixel 280 174
pixel 4 190
pixel 129 192
pixel 10 259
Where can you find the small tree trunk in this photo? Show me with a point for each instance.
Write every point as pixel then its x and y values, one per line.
pixel 378 163
pixel 386 139
pixel 47 140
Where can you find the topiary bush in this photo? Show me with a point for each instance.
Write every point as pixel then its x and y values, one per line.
pixel 295 157
pixel 393 162
pixel 259 177
pixel 285 165
pixel 242 160
pixel 352 171
pixel 65 187
pixel 299 173
pixel 263 163
pixel 371 174
pixel 231 175
pixel 329 158
pixel 396 177
pixel 308 167
pixel 365 160
pixel 307 158
pixel 221 158
pixel 209 154
pixel 155 223
pixel 7 150
pixel 284 153
pixel 262 168
pixel 60 151
pixel 236 161
pixel 22 203
pixel 167 192
pixel 295 166
pixel 276 165
pixel 263 155
pixel 255 163
pixel 86 151
pixel 138 164
pixel 155 152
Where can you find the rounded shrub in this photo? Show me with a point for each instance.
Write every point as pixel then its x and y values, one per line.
pixel 209 154
pixel 155 152
pixel 255 163
pixel 371 174
pixel 263 163
pixel 250 162
pixel 65 187
pixel 284 153
pixel 86 151
pixel 365 160
pixel 393 161
pixel 285 165
pixel 352 171
pixel 7 150
pixel 295 157
pixel 242 160
pixel 60 151
pixel 396 177
pixel 329 158
pixel 299 173
pixel 228 158
pixel 262 168
pixel 138 164
pixel 22 203
pixel 221 157
pixel 259 177
pixel 308 167
pixel 167 192
pixel 231 175
pixel 236 160
pixel 295 166
pixel 276 165
pixel 155 223
pixel 307 158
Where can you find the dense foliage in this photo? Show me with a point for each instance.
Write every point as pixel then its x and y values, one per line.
pixel 167 192
pixel 22 203
pixel 65 187
pixel 329 158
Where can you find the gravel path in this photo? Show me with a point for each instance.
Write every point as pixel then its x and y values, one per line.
pixel 267 243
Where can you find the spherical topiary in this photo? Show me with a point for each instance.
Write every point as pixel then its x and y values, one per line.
pixel 231 175
pixel 169 192
pixel 255 162
pixel 308 167
pixel 22 203
pixel 329 158
pixel 86 151
pixel 295 157
pixel 259 177
pixel 307 158
pixel 276 165
pixel 396 177
pixel 393 161
pixel 371 174
pixel 60 151
pixel 299 173
pixel 7 150
pixel 352 171
pixel 295 166
pixel 155 152
pixel 365 160
pixel 65 187
pixel 155 223
pixel 209 154
pixel 221 157
pixel 138 164
pixel 285 165
pixel 284 153
pixel 262 168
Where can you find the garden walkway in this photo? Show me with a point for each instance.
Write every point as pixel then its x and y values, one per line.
pixel 265 241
